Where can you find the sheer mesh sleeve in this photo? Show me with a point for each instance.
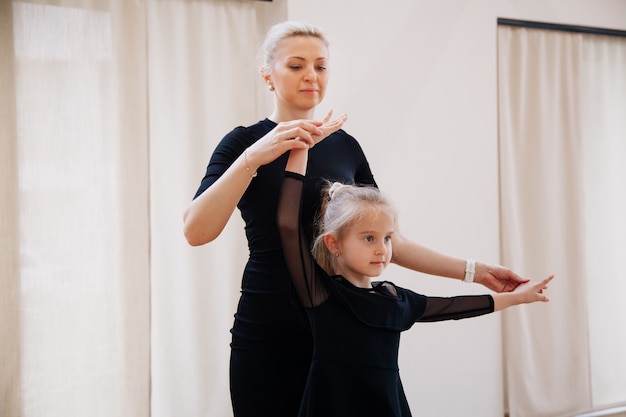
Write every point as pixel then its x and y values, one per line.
pixel 306 275
pixel 454 308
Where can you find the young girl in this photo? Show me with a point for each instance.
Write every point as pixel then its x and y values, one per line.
pixel 356 323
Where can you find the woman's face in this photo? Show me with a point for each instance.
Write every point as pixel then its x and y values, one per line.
pixel 299 75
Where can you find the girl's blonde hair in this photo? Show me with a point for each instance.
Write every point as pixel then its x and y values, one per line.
pixel 342 206
pixel 285 30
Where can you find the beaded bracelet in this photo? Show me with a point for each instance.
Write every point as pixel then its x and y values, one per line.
pixel 245 156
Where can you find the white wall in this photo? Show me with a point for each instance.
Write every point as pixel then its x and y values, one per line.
pixel 419 81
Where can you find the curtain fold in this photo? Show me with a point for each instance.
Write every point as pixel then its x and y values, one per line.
pixel 10 377
pixel 94 266
pixel 603 116
pixel 203 82
pixel 75 209
pixel 545 140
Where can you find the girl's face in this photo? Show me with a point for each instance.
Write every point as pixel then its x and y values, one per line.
pixel 365 248
pixel 299 75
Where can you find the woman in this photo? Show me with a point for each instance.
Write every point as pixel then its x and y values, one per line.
pixel 271 341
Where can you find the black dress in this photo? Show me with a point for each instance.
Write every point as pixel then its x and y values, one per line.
pixel 356 331
pixel 271 341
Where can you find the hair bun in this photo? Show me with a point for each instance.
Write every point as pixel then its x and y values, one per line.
pixel 333 189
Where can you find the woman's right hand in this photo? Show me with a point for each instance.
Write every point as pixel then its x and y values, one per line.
pixel 294 134
pixel 207 215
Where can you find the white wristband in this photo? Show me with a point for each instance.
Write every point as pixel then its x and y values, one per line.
pixel 470 269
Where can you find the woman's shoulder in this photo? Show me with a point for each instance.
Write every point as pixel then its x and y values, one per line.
pixel 344 135
pixel 255 130
pixel 342 140
pixel 240 137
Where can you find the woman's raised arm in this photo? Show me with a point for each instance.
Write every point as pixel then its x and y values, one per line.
pixel 207 215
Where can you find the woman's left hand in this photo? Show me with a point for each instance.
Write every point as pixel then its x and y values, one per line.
pixel 498 278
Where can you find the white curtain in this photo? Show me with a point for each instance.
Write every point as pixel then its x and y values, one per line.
pixel 109 111
pixel 203 82
pixel 74 315
pixel 145 328
pixel 562 104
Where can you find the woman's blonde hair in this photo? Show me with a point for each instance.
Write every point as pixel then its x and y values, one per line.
pixel 285 30
pixel 342 206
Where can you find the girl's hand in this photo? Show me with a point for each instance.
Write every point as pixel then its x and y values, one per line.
pixel 329 127
pixel 533 291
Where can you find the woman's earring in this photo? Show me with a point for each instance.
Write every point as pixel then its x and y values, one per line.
pixel 271 87
pixel 337 254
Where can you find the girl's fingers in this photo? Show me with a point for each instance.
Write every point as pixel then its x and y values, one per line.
pixel 543 285
pixel 311 126
pixel 546 281
pixel 315 127
pixel 295 132
pixel 309 132
pixel 328 116
pixel 335 125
